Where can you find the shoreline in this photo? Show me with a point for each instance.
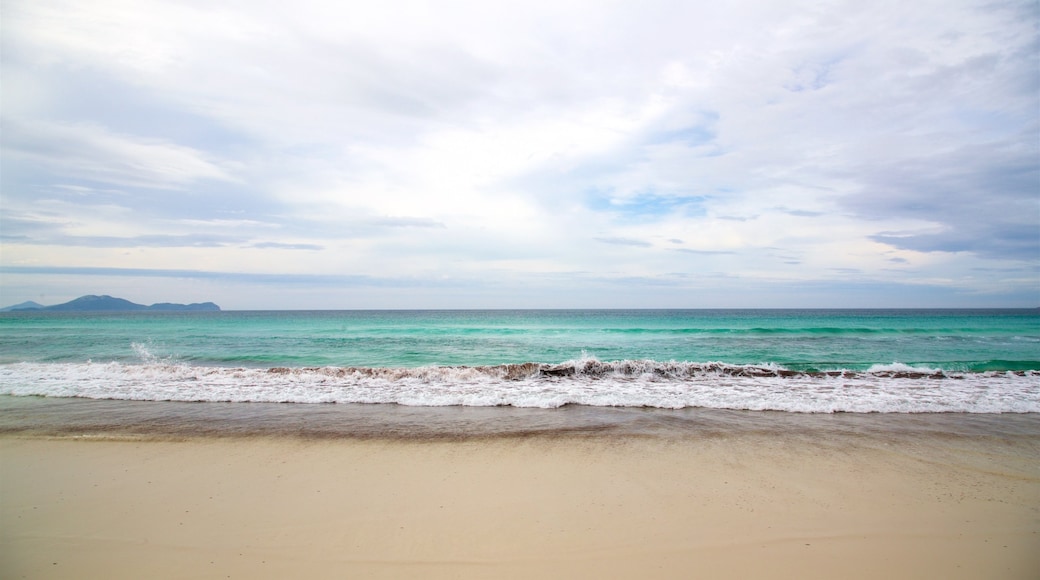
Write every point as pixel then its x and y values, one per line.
pixel 813 497
pixel 36 416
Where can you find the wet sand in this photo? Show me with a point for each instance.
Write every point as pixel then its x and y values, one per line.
pixel 792 502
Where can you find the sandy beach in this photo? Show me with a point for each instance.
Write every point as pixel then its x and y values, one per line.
pixel 566 506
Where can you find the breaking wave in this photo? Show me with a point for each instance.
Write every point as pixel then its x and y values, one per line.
pixel 893 388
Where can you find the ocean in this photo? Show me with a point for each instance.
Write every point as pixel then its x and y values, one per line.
pixel 803 361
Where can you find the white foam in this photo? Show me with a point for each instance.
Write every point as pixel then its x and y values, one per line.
pixel 587 381
pixel 898 367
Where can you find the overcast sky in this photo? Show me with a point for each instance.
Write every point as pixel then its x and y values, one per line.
pixel 526 154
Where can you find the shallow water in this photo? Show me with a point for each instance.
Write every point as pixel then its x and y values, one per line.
pixel 810 361
pixel 44 416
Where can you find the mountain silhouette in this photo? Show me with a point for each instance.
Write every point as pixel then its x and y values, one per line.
pixel 105 303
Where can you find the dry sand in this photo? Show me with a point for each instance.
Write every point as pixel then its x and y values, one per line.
pixel 542 507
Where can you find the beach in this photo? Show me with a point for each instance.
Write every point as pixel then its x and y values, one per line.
pixel 521 444
pixel 771 496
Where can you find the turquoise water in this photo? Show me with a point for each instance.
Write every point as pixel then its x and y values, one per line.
pixel 810 340
pixel 814 361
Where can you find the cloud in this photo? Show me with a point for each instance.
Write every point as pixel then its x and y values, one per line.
pixel 249 278
pixel 703 252
pixel 778 143
pixel 624 242
pixel 284 246
pixel 983 199
pixel 1003 241
pixel 150 241
pixel 93 153
pixel 801 212
pixel 403 222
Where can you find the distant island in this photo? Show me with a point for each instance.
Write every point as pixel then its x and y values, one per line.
pixel 109 304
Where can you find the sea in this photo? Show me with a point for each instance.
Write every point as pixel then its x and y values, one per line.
pixel 431 373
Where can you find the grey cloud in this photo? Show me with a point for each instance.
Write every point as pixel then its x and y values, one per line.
pixel 800 212
pixel 403 222
pixel 638 281
pixel 985 198
pixel 624 242
pixel 154 241
pixel 28 231
pixel 87 150
pixel 283 246
pixel 27 225
pixel 329 280
pixel 810 77
pixel 703 252
pixel 1034 268
pixel 1015 241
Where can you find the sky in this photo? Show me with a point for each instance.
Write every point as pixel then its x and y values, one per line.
pixel 536 154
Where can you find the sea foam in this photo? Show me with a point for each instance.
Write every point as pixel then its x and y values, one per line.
pixel 894 388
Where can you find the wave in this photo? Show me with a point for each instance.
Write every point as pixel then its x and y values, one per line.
pixel 893 388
